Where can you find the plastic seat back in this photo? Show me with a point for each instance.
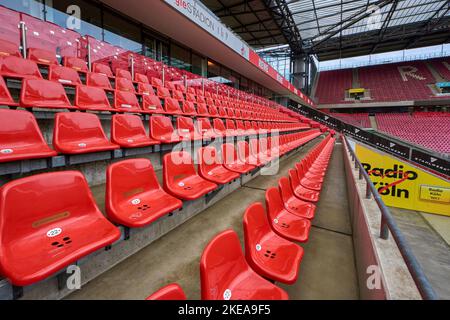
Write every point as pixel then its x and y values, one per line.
pixel 221 262
pixel 185 126
pixel 15 67
pixel 202 109
pixel 98 80
pixel 5 96
pixel 124 84
pixel 177 165
pixel 172 106
pixel 178 95
pixel 161 126
pixel 274 203
pixel 102 68
pixel 42 56
pixel 145 89
pixel 126 101
pixel 91 98
pixel 40 93
pixel 141 78
pixel 208 159
pixel 230 125
pixel 75 63
pixel 162 92
pixel 8 48
pixel 170 292
pixel 122 73
pixel 156 82
pixel 229 154
pixel 219 126
pixel 285 189
pixel 293 179
pixel 189 108
pixel 152 104
pixel 243 151
pixel 256 226
pixel 63 75
pixel 127 127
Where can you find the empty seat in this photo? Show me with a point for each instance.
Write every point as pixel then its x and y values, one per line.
pixel 102 68
pixel 284 223
pixel 293 204
pixel 42 56
pixel 244 154
pixel 91 98
pixel 124 84
pixel 270 255
pixel 64 75
pixel 210 167
pixel 170 292
pixel 202 110
pixel 15 67
pixel 75 63
pixel 309 183
pixel 141 78
pixel 152 104
pixel 98 80
pixel 156 82
pixel 219 127
pixel 47 222
pixel 145 89
pixel 77 132
pixel 121 73
pixel 205 128
pixel 178 95
pixel 187 130
pixel 40 93
pixel 5 96
pixel 162 92
pixel 134 197
pixel 20 137
pixel 128 131
pixel 231 160
pixel 161 129
pixel 189 109
pixel 180 178
pixel 172 106
pixel 300 191
pixel 126 101
pixel 8 48
pixel 226 275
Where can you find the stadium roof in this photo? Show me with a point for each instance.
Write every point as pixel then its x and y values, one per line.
pixel 337 28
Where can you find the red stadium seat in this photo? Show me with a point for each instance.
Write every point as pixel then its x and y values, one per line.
pixel 141 78
pixel 231 160
pixel 162 92
pixel 219 127
pixel 205 128
pixel 8 48
pixel 161 129
pixel 128 131
pixel 226 275
pixel 42 56
pixel 178 95
pixel 134 197
pixel 126 101
pixel 145 89
pixel 244 154
pixel 156 82
pixel 5 96
pixel 300 191
pixel 180 178
pixel 102 68
pixel 270 255
pixel 91 98
pixel 121 73
pixel 284 223
pixel 294 205
pixel 75 63
pixel 152 104
pixel 64 75
pixel 310 183
pixel 172 106
pixel 189 109
pixel 210 167
pixel 202 110
pixel 187 130
pixel 40 93
pixel 20 137
pixel 78 132
pixel 98 80
pixel 15 67
pixel 47 222
pixel 124 84
pixel 170 292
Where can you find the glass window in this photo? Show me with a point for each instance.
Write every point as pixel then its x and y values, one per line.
pixel 180 57
pixel 150 46
pixel 34 8
pixel 121 32
pixel 198 65
pixel 213 69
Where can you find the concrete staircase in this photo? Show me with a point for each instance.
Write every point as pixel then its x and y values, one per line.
pixel 373 122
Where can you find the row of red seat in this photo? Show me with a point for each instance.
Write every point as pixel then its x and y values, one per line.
pixel 270 251
pixel 78 132
pixel 64 223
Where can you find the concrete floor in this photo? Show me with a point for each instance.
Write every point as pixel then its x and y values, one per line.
pixel 327 270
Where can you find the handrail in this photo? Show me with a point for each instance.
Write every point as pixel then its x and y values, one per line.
pixel 388 224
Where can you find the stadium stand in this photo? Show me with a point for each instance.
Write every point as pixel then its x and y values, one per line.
pixel 332 86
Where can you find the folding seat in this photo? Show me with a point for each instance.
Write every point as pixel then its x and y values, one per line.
pixel 181 87
pixel 20 137
pixel 201 99
pixel 161 129
pixel 15 67
pixel 145 89
pixel 64 75
pixel 178 95
pixel 230 113
pixel 8 48
pixel 156 82
pixel 152 104
pixel 189 108
pixel 162 92
pixel 225 274
pixel 91 98
pixel 180 178
pixel 283 222
pixel 202 110
pixel 231 128
pixel 205 128
pixel 293 204
pixel 221 112
pixel 240 128
pixel 245 155
pixel 47 222
pixel 75 63
pixel 128 131
pixel 141 78
pixel 231 160
pixel 219 127
pixel 42 56
pixel 103 69
pixel 170 85
pixel 212 110
pixel 98 80
pixel 191 90
pixel 5 96
pixel 172 106
pixel 126 101
pixel 190 97
pixel 40 93
pixel 309 183
pixel 210 102
pixel 79 132
pixel 124 84
pixel 187 130
pixel 121 73
pixel 134 197
pixel 210 167
pixel 270 255
pixel 170 292
pixel 300 191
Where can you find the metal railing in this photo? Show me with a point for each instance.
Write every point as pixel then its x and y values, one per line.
pixel 389 226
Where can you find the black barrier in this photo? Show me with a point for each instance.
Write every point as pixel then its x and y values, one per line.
pixel 403 150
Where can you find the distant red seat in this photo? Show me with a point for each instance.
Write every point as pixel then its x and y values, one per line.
pixel 121 73
pixel 189 109
pixel 124 84
pixel 162 92
pixel 126 101
pixel 134 197
pixel 231 160
pixel 205 128
pixel 75 63
pixel 284 223
pixel 293 204
pixel 210 167
pixel 245 155
pixel 226 275
pixel 202 110
pixel 152 104
pixel 141 78
pixel 78 132
pixel 172 106
pixel 64 75
pixel 47 222
pixel 102 68
pixel 145 89
pixel 98 80
pixel 270 255
pixel 170 292
pixel 20 137
pixel 40 93
pixel 187 130
pixel 15 67
pixel 310 183
pixel 128 131
pixel 161 129
pixel 42 56
pixel 180 178
pixel 300 191
pixel 91 98
pixel 5 96
pixel 8 48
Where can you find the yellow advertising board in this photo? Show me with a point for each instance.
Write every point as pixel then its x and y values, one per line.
pixel 403 185
pixel 356 90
